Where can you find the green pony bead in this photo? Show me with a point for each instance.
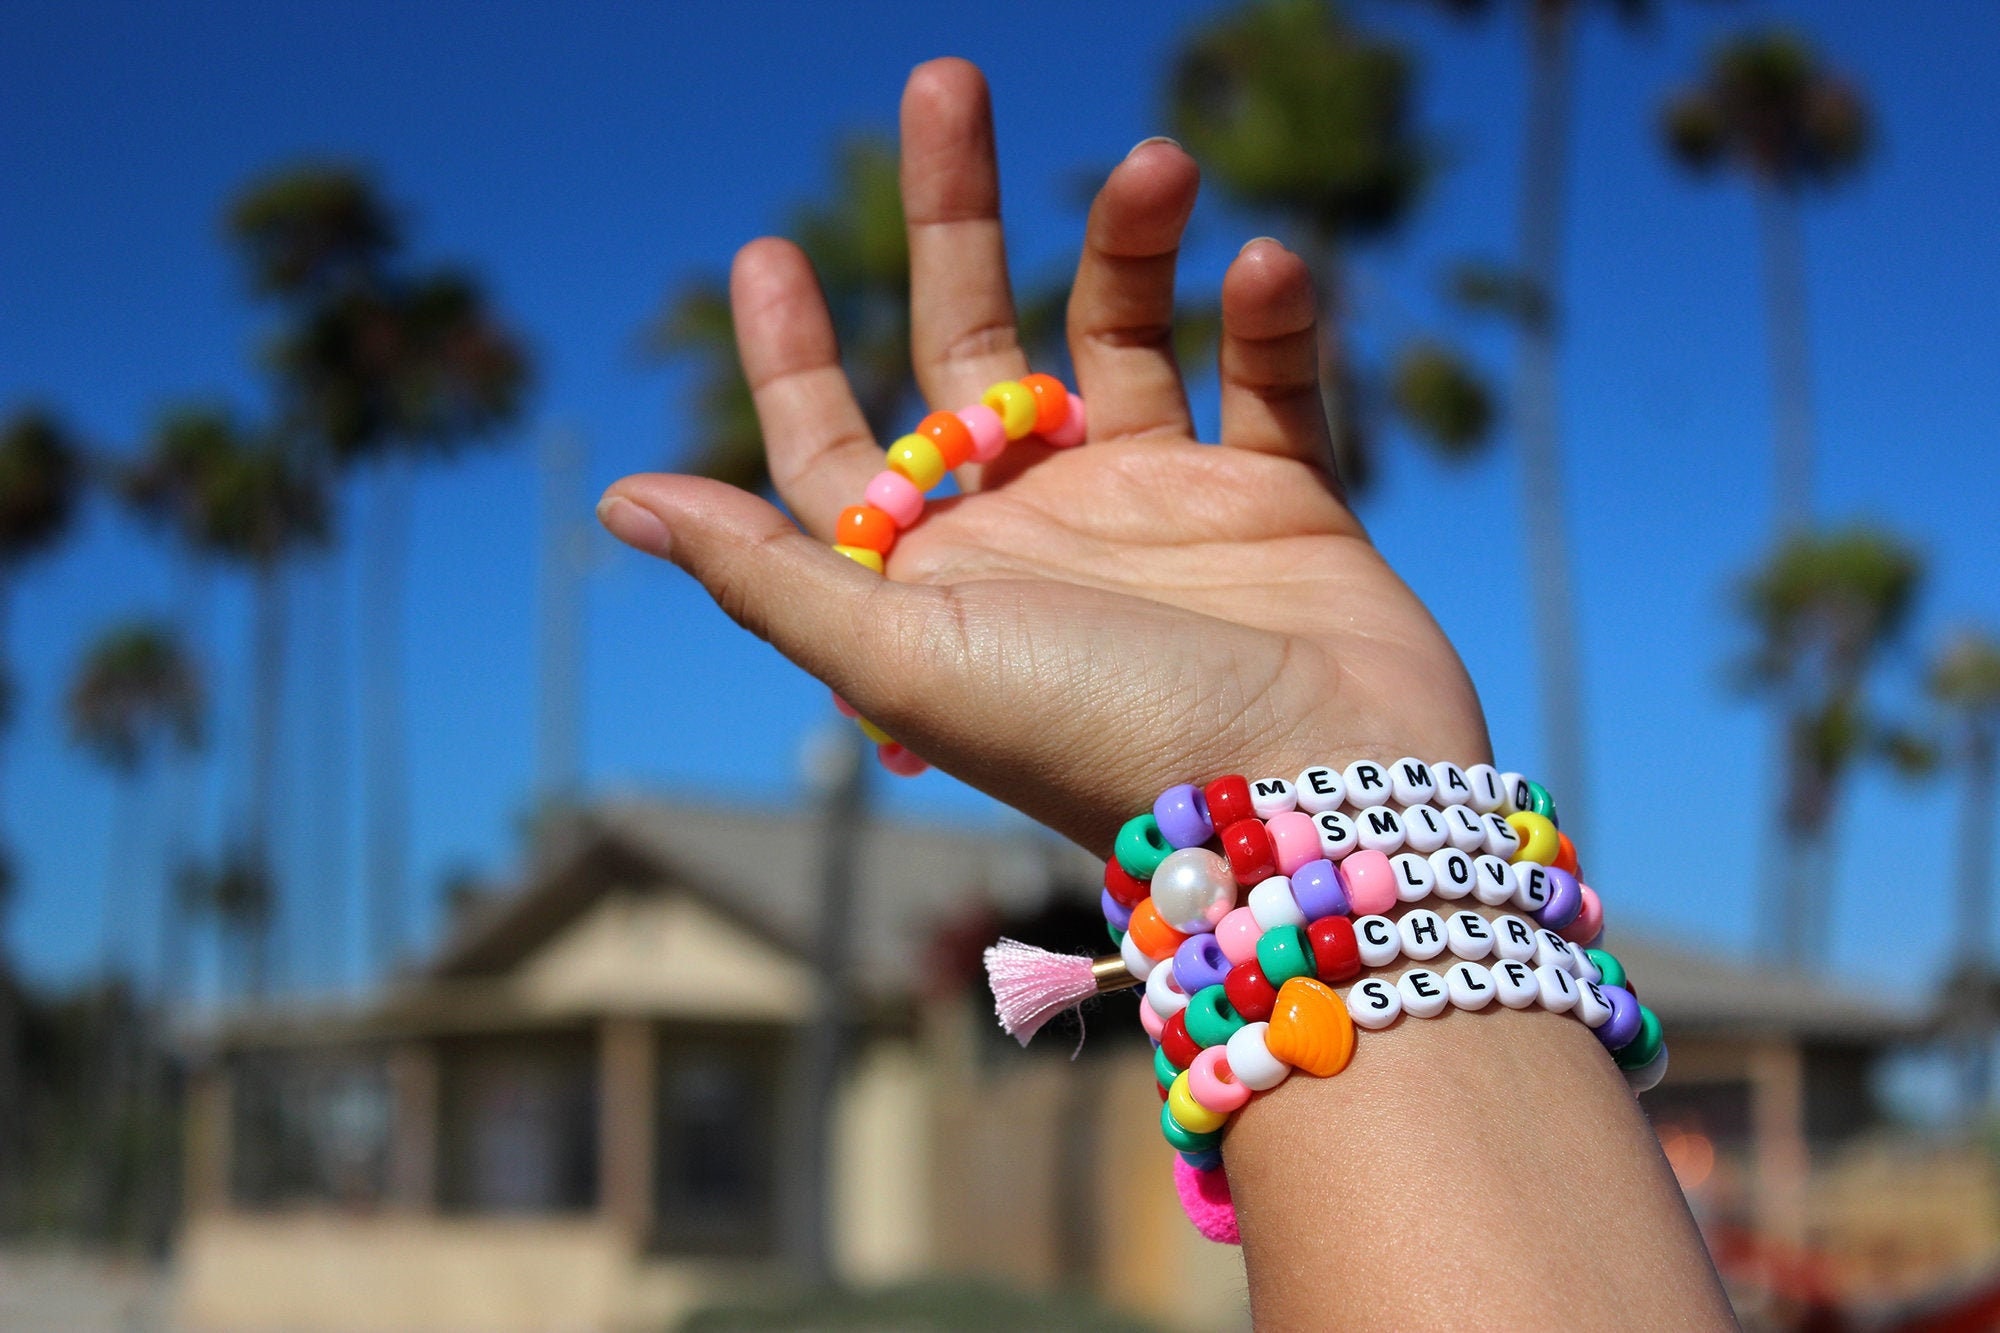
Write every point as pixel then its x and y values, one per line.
pixel 1141 846
pixel 1283 953
pixel 1613 970
pixel 1639 1052
pixel 1117 935
pixel 1541 802
pixel 1211 1018
pixel 1163 1068
pixel 1183 1138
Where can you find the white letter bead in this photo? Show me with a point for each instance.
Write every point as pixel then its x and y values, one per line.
pixel 1465 828
pixel 1166 998
pixel 1423 935
pixel 1501 840
pixel 1469 936
pixel 1424 992
pixel 1553 950
pixel 1414 877
pixel 1380 829
pixel 1470 984
pixel 1374 1004
pixel 1487 793
pixel 1375 938
pixel 1451 872
pixel 1272 904
pixel 1452 784
pixel 1518 799
pixel 1513 938
pixel 1137 962
pixel 1336 834
pixel 1410 779
pixel 1514 983
pixel 1319 788
pixel 1591 1006
pixel 1251 1061
pixel 1531 886
pixel 1367 783
pixel 1585 969
pixel 1558 989
pixel 1270 797
pixel 1492 881
pixel 1424 829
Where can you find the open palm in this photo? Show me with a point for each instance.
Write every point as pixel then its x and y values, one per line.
pixel 1080 627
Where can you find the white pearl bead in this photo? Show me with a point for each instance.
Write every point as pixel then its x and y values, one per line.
pixel 1337 835
pixel 1251 1061
pixel 1193 890
pixel 1553 950
pixel 1374 1004
pixel 1487 793
pixel 1163 993
pixel 1558 989
pixel 1531 886
pixel 1492 880
pixel 1451 872
pixel 1380 829
pixel 1411 781
pixel 1591 1006
pixel 1585 969
pixel 1319 788
pixel 1469 936
pixel 1452 784
pixel 1367 783
pixel 1465 827
pixel 1515 984
pixel 1501 839
pixel 1137 962
pixel 1424 829
pixel 1414 877
pixel 1513 938
pixel 1518 796
pixel 1376 939
pixel 1270 797
pixel 1422 933
pixel 1424 993
pixel 1647 1076
pixel 1272 904
pixel 1470 984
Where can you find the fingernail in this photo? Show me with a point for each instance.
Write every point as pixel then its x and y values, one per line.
pixel 1158 138
pixel 635 525
pixel 1254 239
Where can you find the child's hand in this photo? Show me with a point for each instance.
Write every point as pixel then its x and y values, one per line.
pixel 1085 626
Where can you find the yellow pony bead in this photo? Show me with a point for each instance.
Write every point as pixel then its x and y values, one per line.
pixel 917 458
pixel 1540 842
pixel 1015 402
pixel 861 555
pixel 873 732
pixel 1188 1113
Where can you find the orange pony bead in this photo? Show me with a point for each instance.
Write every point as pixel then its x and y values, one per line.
pixel 1051 401
pixel 1155 938
pixel 1310 1028
pixel 952 437
pixel 864 526
pixel 1566 854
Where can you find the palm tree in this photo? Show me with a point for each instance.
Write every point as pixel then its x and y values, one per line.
pixel 1304 119
pixel 1768 106
pixel 1824 610
pixel 1965 682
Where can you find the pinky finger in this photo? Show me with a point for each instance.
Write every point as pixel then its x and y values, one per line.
pixel 1270 358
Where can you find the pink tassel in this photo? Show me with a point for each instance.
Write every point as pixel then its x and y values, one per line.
pixel 1031 986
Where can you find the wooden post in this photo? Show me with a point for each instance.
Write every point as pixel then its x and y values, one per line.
pixel 626 1107
pixel 1778 1123
pixel 208 1139
pixel 413 1127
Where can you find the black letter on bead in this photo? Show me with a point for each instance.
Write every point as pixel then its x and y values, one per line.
pixel 1318 779
pixel 1269 786
pixel 1474 925
pixel 1420 982
pixel 1516 973
pixel 1471 983
pixel 1408 871
pixel 1384 821
pixel 1367 776
pixel 1371 990
pixel 1424 929
pixel 1369 928
pixel 1459 868
pixel 1417 775
pixel 1563 982
pixel 1456 780
pixel 1518 932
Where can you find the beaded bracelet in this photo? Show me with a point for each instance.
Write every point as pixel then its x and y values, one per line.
pixel 915 464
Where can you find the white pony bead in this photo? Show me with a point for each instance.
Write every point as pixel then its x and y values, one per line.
pixel 1558 988
pixel 1319 788
pixel 1163 993
pixel 1471 985
pixel 1501 839
pixel 1376 939
pixel 1492 880
pixel 1251 1060
pixel 1488 792
pixel 1591 1006
pixel 1424 829
pixel 1424 993
pixel 1452 784
pixel 1337 836
pixel 1271 796
pixel 1465 828
pixel 1513 938
pixel 1514 983
pixel 1451 873
pixel 1380 829
pixel 1469 936
pixel 1531 886
pixel 1551 948
pixel 1518 796
pixel 1422 933
pixel 1414 877
pixel 1273 905
pixel 1411 781
pixel 1647 1076
pixel 1374 1004
pixel 1367 783
pixel 1137 961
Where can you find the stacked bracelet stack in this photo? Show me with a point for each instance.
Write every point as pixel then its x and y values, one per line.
pixel 893 501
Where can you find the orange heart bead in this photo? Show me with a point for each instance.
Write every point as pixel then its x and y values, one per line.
pixel 1310 1028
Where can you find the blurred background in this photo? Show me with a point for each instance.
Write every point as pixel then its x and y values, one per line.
pixel 422 915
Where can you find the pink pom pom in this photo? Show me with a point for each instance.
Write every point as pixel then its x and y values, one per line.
pixel 1031 986
pixel 1205 1200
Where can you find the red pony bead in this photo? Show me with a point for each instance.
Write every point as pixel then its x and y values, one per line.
pixel 1250 991
pixel 1051 401
pixel 1120 885
pixel 1566 854
pixel 1175 1041
pixel 1229 800
pixel 1336 955
pixel 952 437
pixel 1248 848
pixel 864 526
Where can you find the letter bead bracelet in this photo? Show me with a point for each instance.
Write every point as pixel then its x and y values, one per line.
pixel 893 501
pixel 1241 904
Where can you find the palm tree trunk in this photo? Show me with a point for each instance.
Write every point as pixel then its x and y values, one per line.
pixel 1791 372
pixel 120 876
pixel 384 573
pixel 1975 911
pixel 11 1080
pixel 1552 595
pixel 268 684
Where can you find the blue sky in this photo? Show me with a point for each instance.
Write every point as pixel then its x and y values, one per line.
pixel 586 162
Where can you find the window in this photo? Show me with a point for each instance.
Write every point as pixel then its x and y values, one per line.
pixel 715 1176
pixel 518 1126
pixel 309 1127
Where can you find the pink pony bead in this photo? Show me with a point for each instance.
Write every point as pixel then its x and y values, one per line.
pixel 1589 923
pixel 1150 1020
pixel 898 760
pixel 1070 433
pixel 1370 882
pixel 844 708
pixel 1238 934
pixel 1214 1084
pixel 989 433
pixel 1294 840
pixel 897 496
